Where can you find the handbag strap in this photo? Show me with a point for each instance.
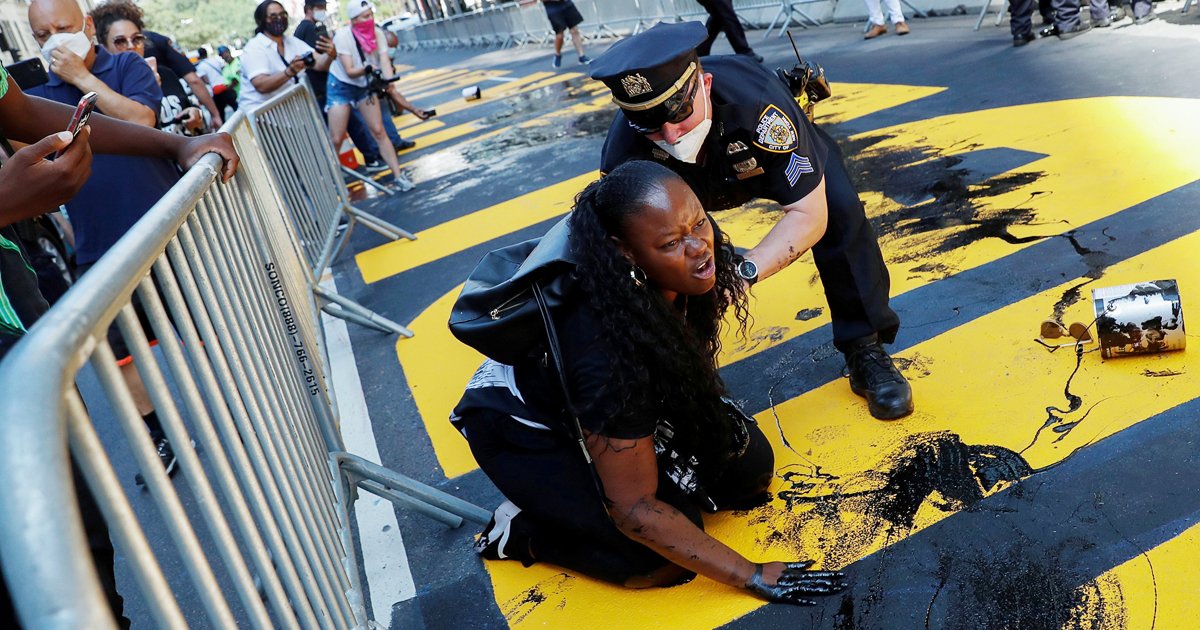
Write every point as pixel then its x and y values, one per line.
pixel 556 356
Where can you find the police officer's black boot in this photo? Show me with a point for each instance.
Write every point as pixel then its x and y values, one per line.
pixel 874 377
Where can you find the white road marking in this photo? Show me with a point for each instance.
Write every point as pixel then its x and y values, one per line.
pixel 385 561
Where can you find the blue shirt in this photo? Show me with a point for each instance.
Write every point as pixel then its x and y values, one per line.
pixel 121 188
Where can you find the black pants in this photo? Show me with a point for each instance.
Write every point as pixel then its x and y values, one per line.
pixel 563 515
pixel 721 17
pixel 1065 14
pixel 852 269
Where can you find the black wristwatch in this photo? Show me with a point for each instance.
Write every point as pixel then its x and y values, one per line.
pixel 747 270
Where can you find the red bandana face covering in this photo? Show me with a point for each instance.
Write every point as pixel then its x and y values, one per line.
pixel 364 32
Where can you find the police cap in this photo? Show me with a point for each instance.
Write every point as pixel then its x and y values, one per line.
pixel 646 70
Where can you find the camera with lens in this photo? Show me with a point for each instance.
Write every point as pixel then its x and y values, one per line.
pixel 378 86
pixel 308 59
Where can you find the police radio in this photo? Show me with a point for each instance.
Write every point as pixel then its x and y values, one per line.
pixel 806 81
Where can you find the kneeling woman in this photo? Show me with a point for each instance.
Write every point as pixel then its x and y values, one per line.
pixel 639 341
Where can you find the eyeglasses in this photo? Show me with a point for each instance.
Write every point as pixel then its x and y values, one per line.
pixel 121 42
pixel 675 109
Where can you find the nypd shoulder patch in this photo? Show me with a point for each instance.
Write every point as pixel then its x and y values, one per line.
pixel 775 132
pixel 797 166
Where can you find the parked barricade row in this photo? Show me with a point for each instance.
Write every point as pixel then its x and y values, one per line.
pixel 524 23
pixel 240 385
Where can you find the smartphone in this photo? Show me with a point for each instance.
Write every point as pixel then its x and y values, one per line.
pixel 28 73
pixel 320 30
pixel 83 111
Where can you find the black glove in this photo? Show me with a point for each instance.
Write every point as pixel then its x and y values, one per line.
pixel 796 581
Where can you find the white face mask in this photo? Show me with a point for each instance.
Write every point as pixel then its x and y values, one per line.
pixel 687 147
pixel 319 16
pixel 77 43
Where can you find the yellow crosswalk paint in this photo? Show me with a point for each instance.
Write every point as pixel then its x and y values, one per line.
pixel 854 100
pixel 522 85
pixel 456 84
pixel 778 299
pixel 413 131
pixel 1080 180
pixel 985 382
pixel 472 229
pixel 992 356
pixel 1158 589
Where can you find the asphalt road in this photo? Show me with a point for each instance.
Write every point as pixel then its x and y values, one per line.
pixel 1004 184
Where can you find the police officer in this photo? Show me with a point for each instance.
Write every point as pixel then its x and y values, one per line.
pixel 733 131
pixel 1064 13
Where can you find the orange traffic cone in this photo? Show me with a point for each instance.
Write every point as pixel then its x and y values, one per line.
pixel 346 155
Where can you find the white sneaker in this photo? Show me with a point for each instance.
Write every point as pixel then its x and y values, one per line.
pixel 494 538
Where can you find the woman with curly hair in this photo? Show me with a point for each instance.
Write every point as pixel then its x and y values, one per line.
pixel 119 28
pixel 638 336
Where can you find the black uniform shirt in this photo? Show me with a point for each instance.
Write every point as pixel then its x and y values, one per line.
pixel 159 47
pixel 761 146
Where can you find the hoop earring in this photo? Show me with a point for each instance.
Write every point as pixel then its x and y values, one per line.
pixel 639 276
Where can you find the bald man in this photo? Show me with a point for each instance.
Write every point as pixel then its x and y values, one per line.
pixel 122 187
pixel 124 88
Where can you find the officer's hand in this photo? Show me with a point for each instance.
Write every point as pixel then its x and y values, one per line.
pixel 31 185
pixel 789 582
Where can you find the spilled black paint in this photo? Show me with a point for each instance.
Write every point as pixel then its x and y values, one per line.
pixel 804 315
pixel 848 515
pixel 940 201
pixel 551 589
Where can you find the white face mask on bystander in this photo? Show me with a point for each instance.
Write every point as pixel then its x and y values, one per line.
pixel 78 43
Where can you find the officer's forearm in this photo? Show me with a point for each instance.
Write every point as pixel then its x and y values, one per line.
pixel 802 225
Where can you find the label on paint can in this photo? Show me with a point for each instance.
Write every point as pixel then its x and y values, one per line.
pixel 472 93
pixel 1140 318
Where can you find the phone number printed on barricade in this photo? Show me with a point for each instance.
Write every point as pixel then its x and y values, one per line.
pixel 289 323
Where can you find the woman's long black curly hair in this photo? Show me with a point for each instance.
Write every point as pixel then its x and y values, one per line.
pixel 664 355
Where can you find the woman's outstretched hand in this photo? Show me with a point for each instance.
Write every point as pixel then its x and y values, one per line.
pixel 790 582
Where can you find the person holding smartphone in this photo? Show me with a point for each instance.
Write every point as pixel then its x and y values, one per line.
pixel 121 187
pixel 31 185
pixel 272 60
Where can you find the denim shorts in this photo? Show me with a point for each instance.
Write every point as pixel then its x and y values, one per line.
pixel 339 93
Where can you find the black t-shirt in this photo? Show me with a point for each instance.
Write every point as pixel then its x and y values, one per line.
pixel 588 366
pixel 761 145
pixel 176 98
pixel 306 31
pixel 159 47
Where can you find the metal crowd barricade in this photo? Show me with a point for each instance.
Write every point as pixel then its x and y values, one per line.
pixel 266 537
pixel 292 134
pixel 526 23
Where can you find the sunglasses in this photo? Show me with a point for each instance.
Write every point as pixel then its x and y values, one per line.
pixel 674 110
pixel 136 41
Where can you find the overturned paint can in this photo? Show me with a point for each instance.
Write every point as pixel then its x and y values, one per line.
pixel 1139 318
pixel 472 93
